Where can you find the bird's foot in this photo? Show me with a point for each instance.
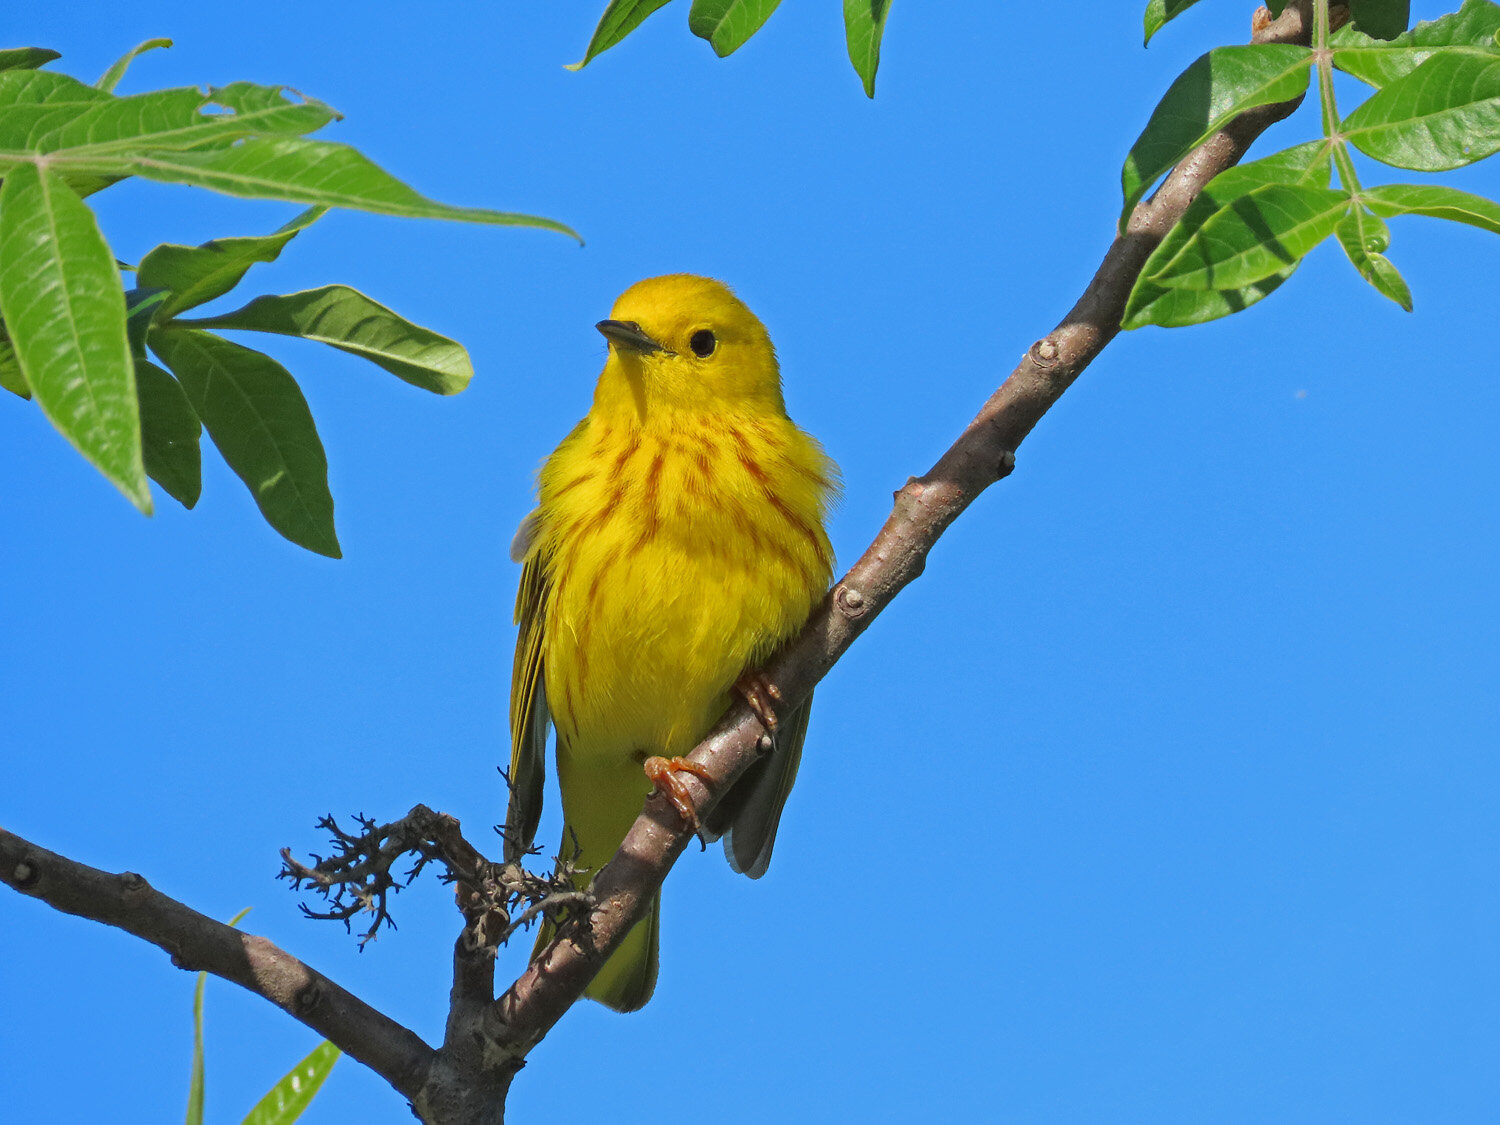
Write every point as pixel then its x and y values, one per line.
pixel 663 774
pixel 761 694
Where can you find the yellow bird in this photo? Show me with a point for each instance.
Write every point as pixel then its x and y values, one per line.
pixel 677 542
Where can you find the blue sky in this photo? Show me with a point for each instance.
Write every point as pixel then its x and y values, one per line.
pixel 1169 792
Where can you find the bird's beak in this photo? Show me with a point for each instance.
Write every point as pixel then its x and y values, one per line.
pixel 627 334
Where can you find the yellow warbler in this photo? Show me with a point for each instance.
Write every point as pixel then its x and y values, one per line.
pixel 677 542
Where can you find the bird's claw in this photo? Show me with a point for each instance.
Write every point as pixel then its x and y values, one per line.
pixel 663 774
pixel 762 695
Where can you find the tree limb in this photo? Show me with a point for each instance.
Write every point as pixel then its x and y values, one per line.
pixel 197 942
pixel 983 454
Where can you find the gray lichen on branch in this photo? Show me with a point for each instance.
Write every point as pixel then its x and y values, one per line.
pixel 497 899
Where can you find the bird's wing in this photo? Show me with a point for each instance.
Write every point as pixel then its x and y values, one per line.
pixel 528 703
pixel 750 812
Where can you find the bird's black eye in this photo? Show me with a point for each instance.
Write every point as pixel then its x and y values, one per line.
pixel 703 343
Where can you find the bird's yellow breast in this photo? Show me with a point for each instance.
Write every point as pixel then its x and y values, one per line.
pixel 680 553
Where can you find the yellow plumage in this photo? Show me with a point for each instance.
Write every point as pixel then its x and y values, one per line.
pixel 677 542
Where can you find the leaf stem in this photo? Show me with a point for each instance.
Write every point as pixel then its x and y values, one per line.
pixel 1323 57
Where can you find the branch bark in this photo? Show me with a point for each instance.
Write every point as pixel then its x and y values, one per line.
pixel 197 942
pixel 983 454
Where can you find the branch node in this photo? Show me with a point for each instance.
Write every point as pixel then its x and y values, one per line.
pixel 1007 464
pixel 308 999
pixel 849 601
pixel 1044 352
pixel 133 885
pixel 24 875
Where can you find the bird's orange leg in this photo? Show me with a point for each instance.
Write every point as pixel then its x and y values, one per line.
pixel 760 693
pixel 663 774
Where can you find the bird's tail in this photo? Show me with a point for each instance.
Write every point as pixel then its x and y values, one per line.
pixel 627 979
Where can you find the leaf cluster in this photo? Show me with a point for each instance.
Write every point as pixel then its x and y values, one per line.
pixel 73 339
pixel 728 24
pixel 1435 107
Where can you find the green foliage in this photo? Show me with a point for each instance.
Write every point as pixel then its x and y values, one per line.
pixel 1153 303
pixel 864 27
pixel 64 311
pixel 25 58
pixel 1383 19
pixel 73 341
pixel 620 18
pixel 260 422
pixel 1472 30
pixel 346 319
pixel 729 24
pixel 1436 107
pixel 193 275
pixel 1159 12
pixel 284 1102
pixel 1443 115
pixel 1205 97
pixel 111 77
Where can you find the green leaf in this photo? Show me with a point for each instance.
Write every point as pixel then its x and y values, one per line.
pixel 195 1081
pixel 111 77
pixel 1180 308
pixel 1443 115
pixel 1365 239
pixel 141 304
pixel 313 172
pixel 10 368
pixel 1160 12
pixel 1309 163
pixel 286 1100
pixel 1435 201
pixel 864 27
pixel 1254 236
pixel 1150 303
pixel 1470 31
pixel 34 103
pixel 258 419
pixel 348 320
pixel 620 18
pixel 195 1089
pixel 169 433
pixel 64 308
pixel 173 120
pixel 196 274
pixel 26 58
pixel 52 113
pixel 1205 97
pixel 1384 19
pixel 727 24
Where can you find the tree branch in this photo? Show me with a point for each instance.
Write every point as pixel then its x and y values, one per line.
pixel 983 454
pixel 197 942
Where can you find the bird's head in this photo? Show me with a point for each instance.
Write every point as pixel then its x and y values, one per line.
pixel 686 343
